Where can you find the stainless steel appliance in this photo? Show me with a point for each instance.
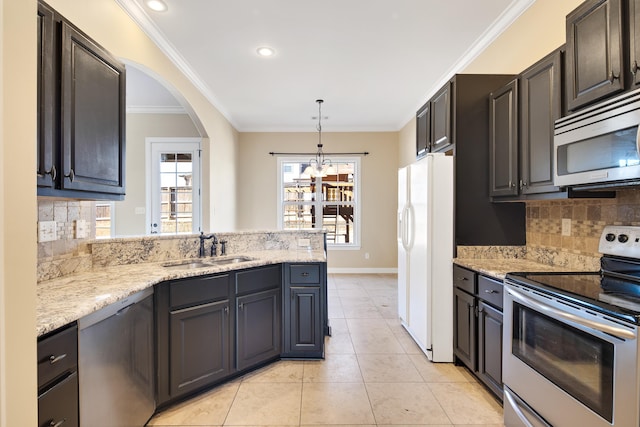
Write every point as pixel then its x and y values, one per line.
pixel 571 348
pixel 115 363
pixel 598 147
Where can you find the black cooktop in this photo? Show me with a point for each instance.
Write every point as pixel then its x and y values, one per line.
pixel 588 290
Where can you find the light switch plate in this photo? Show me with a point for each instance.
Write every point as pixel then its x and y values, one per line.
pixel 47 231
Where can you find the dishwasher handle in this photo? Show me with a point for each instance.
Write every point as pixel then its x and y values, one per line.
pixel 114 309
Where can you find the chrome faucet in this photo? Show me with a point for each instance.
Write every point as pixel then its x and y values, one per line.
pixel 214 244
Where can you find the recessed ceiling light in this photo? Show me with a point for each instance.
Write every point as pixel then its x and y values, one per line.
pixel 157 5
pixel 265 51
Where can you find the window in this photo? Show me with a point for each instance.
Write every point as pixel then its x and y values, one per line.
pixel 330 202
pixel 104 220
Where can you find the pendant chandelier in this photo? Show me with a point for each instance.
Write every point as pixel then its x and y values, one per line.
pixel 319 165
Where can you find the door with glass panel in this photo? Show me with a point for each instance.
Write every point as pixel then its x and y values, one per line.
pixel 174 202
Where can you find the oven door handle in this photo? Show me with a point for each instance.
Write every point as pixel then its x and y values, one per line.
pixel 598 326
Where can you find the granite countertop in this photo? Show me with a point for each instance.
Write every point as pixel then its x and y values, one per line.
pixel 499 268
pixel 66 299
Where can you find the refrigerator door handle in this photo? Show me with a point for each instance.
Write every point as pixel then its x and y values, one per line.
pixel 403 230
pixel 410 225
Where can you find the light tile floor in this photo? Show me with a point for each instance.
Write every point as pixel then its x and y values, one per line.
pixel 373 374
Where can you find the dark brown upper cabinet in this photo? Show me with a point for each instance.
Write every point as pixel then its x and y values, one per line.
pixel 441 119
pixel 634 41
pixel 503 140
pixel 423 130
pixel 81 114
pixel 595 52
pixel 46 169
pixel 93 116
pixel 540 107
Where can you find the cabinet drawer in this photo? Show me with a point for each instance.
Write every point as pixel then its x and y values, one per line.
pixel 301 274
pixel 258 279
pixel 198 290
pixel 490 290
pixel 57 354
pixel 60 403
pixel 464 279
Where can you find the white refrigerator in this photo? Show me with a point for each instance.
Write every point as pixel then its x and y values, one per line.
pixel 425 254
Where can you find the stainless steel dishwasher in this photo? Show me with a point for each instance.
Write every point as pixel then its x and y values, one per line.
pixel 116 364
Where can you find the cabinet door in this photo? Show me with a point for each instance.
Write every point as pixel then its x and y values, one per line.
pixel 258 328
pixel 305 322
pixel 199 346
pixel 634 36
pixel 441 119
pixel 423 130
pixel 92 115
pixel 490 347
pixel 540 107
pixel 464 328
pixel 595 60
pixel 503 140
pixel 46 171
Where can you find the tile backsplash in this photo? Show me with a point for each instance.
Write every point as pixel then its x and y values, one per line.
pixel 584 221
pixel 65 213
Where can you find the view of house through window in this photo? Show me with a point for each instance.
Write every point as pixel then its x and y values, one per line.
pixel 329 202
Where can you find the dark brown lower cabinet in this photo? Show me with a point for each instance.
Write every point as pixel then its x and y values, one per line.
pixel 258 328
pixel 477 317
pixel 464 337
pixel 490 347
pixel 200 346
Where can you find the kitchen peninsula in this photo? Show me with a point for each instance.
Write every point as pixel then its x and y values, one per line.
pixel 209 318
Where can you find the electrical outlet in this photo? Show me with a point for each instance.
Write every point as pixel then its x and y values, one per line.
pixel 82 229
pixel 47 231
pixel 566 226
pixel 366 255
pixel 304 242
pixel 140 210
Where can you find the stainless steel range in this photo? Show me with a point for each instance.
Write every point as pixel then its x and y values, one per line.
pixel 571 348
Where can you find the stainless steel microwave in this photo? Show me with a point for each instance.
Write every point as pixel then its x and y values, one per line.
pixel 598 147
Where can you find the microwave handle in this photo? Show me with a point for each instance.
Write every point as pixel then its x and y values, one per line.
pixel 545 308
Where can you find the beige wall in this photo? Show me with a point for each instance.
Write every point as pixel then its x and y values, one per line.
pixel 140 127
pixel 257 195
pixel 18 209
pixel 109 25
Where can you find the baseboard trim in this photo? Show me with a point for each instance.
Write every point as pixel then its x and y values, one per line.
pixel 362 270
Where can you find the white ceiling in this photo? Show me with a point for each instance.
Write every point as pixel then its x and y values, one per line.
pixel 374 62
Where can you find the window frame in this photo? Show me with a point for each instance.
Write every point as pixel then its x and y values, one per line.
pixel 357 202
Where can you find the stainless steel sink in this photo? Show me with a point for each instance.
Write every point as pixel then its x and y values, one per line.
pixel 211 262
pixel 232 260
pixel 187 265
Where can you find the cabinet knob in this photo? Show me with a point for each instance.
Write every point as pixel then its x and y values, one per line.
pixel 55 359
pixel 634 67
pixel 71 175
pixel 53 172
pixel 53 423
pixel 241 306
pixel 613 77
pixel 305 274
pixel 226 310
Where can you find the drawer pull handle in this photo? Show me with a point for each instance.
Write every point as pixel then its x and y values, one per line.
pixel 58 424
pixel 490 291
pixel 55 359
pixel 305 274
pixel 461 278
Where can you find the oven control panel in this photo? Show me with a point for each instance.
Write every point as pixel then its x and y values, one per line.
pixel 620 240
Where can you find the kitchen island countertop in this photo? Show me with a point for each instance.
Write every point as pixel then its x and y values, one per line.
pixel 66 299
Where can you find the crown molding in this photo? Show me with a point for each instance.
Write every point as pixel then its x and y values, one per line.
pixel 140 17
